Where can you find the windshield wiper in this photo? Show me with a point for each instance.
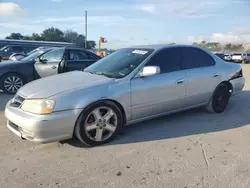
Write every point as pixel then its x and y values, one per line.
pixel 100 73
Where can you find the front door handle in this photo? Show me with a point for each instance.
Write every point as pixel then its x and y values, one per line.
pixel 216 75
pixel 180 81
pixel 54 67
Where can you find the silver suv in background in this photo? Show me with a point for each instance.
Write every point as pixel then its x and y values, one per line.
pixel 241 58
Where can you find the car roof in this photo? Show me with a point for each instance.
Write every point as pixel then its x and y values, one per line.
pixel 161 46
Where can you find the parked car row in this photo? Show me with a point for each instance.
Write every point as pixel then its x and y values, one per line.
pixel 42 63
pixel 20 48
pixel 130 85
pixel 235 57
pixel 20 56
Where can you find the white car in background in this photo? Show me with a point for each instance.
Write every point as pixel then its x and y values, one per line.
pixel 241 58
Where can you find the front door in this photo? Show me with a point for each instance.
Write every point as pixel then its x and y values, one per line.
pixel 160 93
pixel 78 60
pixel 49 63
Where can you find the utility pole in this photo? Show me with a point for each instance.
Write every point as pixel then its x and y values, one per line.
pixel 86 29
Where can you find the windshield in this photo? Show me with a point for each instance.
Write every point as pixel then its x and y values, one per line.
pixel 120 63
pixel 34 55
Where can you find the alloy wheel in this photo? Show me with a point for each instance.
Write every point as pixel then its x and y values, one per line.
pixel 12 83
pixel 101 124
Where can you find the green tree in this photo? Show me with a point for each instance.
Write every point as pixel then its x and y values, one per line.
pixel 36 36
pixel 16 36
pixel 91 44
pixel 70 36
pixel 234 47
pixel 80 41
pixel 53 34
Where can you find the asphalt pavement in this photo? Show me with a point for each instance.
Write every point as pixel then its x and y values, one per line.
pixel 184 150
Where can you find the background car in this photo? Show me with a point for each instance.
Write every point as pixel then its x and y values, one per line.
pixel 20 56
pixel 228 57
pixel 7 51
pixel 43 63
pixel 241 57
pixel 128 86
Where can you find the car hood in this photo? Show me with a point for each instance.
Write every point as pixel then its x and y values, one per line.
pixel 52 85
pixel 11 63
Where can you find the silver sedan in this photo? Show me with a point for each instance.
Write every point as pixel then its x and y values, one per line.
pixel 131 85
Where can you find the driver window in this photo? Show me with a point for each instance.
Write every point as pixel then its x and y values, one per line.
pixel 53 56
pixel 169 60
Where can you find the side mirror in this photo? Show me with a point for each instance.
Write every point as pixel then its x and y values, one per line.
pixel 41 60
pixel 44 61
pixel 150 71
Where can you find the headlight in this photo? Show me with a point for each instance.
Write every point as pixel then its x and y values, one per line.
pixel 38 106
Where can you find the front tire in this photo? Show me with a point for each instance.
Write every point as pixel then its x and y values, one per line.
pixel 219 100
pixel 99 123
pixel 11 83
pixel 1 59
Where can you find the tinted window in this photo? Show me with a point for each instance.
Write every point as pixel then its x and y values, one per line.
pixel 17 49
pixel 168 60
pixel 194 58
pixel 55 55
pixel 93 56
pixel 77 55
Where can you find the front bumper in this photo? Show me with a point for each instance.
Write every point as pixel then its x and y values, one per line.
pixel 41 128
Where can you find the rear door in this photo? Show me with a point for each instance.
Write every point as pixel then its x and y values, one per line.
pixel 202 76
pixel 78 60
pixel 49 64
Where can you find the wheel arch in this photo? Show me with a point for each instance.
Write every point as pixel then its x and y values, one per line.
pixel 12 72
pixel 93 103
pixel 227 83
pixel 119 105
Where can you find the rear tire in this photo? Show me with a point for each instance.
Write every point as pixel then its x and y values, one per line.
pixel 94 120
pixel 1 59
pixel 219 100
pixel 11 83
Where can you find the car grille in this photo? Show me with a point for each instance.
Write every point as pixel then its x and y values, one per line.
pixel 17 101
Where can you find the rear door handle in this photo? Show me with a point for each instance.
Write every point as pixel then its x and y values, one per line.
pixel 180 81
pixel 216 75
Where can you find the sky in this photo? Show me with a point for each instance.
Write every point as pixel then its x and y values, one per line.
pixel 132 22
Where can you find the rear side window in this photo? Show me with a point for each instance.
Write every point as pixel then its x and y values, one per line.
pixel 169 60
pixel 195 58
pixel 77 55
pixel 93 56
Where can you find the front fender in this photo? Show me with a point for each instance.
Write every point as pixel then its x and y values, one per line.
pixel 81 98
